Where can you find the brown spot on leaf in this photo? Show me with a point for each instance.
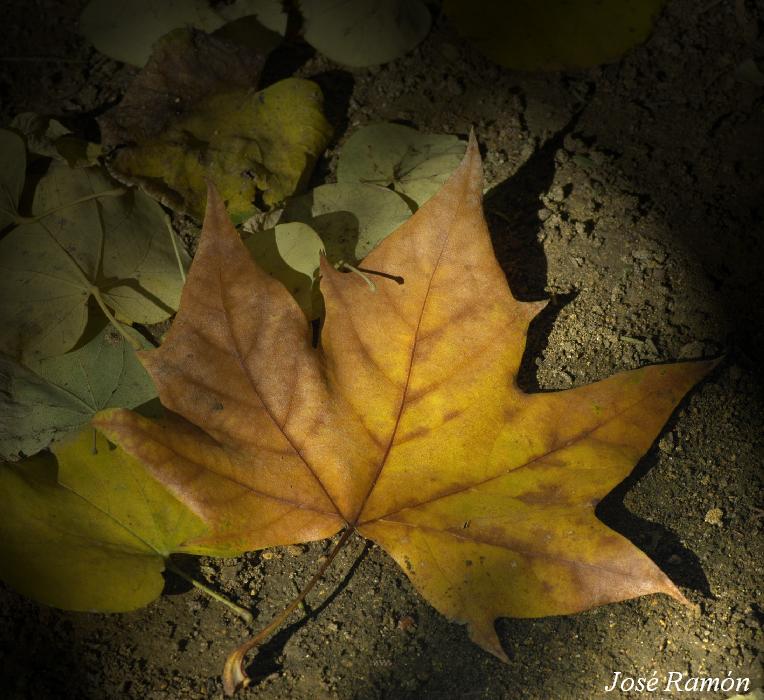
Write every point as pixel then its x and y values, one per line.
pixel 546 494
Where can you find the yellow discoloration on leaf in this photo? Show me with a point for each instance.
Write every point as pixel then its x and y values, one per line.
pixel 100 532
pixel 406 423
pixel 245 141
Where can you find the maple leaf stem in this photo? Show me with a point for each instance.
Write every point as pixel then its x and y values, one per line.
pixel 238 610
pixel 355 270
pixel 234 675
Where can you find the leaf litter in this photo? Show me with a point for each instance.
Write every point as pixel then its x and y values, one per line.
pixel 340 29
pixel 343 221
pixel 556 34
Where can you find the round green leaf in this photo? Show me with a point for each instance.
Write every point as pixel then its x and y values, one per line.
pixel 291 253
pixel 13 165
pixel 415 164
pixel 270 13
pixel 364 32
pixel 43 294
pixel 555 34
pixel 63 393
pixel 88 238
pixel 350 218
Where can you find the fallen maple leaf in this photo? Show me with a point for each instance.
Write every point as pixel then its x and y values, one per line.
pixel 406 425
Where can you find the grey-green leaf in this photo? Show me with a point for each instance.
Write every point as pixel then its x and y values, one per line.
pixel 127 31
pixel 88 237
pixel 46 136
pixel 291 253
pixel 414 163
pixel 63 393
pixel 350 218
pixel 364 32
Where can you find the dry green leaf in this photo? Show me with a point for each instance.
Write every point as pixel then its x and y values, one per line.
pixel 98 540
pixel 186 66
pixel 555 34
pixel 415 164
pixel 88 239
pixel 364 32
pixel 63 393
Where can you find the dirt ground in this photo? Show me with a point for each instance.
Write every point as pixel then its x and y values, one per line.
pixel 631 195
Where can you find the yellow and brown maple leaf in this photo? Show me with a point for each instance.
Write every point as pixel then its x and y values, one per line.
pixel 405 425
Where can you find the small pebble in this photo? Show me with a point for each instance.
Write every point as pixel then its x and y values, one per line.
pixel 714 516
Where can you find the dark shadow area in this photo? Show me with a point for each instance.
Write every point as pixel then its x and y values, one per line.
pixel 713 212
pixel 37 168
pixel 337 88
pixel 96 323
pixel 39 654
pixel 284 61
pixel 511 209
pixel 263 663
pixel 174 583
pixel 662 545
pixel 539 331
